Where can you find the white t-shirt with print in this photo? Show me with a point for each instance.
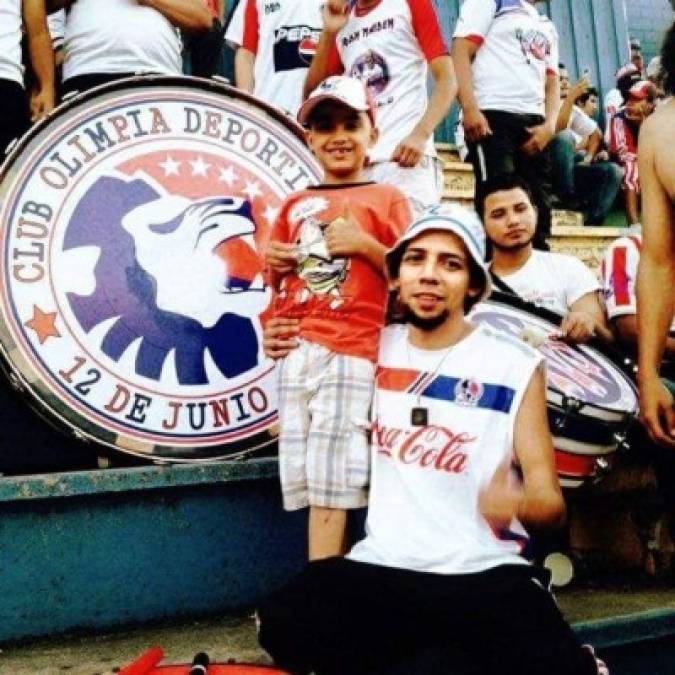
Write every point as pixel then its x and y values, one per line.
pixel 10 41
pixel 423 509
pixel 580 124
pixel 552 280
pixel 56 23
pixel 119 36
pixel 518 47
pixel 388 47
pixel 283 35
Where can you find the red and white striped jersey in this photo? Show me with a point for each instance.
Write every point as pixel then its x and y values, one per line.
pixel 619 275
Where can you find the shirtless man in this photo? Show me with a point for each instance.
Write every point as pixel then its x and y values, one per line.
pixel 656 275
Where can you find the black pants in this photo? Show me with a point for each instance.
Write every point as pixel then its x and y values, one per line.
pixel 14 113
pixel 81 83
pixel 206 51
pixel 501 153
pixel 345 618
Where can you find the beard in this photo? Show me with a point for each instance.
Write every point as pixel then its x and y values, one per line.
pixel 431 323
pixel 513 247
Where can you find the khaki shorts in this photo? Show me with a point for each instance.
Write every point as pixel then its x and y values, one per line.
pixel 324 405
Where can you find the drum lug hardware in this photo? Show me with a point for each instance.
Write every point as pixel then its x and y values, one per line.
pixel 570 405
pixel 602 467
pixel 621 439
pixel 83 438
pixel 16 382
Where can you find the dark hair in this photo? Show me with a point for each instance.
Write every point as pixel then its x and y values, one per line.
pixel 562 66
pixel 500 183
pixel 581 100
pixel 668 61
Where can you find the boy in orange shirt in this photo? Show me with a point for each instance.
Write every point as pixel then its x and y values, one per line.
pixel 326 258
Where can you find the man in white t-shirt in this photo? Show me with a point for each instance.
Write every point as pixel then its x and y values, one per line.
pixel 583 180
pixel 106 40
pixel 462 460
pixel 15 111
pixel 506 56
pixel 392 46
pixel 275 43
pixel 555 281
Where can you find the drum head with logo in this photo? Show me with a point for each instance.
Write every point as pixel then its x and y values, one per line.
pixel 134 223
pixel 578 373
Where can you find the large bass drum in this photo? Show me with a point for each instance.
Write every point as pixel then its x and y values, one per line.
pixel 591 396
pixel 133 226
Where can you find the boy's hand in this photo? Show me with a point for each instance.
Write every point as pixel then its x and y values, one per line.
pixel 577 327
pixel 410 150
pixel 281 258
pixel 279 337
pixel 344 236
pixel 335 15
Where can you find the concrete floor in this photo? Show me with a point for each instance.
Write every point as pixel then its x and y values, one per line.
pixel 226 638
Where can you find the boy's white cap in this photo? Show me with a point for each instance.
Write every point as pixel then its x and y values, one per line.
pixel 347 90
pixel 447 218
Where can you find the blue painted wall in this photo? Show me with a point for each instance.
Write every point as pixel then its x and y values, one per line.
pixel 648 21
pixel 99 549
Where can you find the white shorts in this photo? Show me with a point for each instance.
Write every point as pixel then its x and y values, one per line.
pixel 421 184
pixel 324 406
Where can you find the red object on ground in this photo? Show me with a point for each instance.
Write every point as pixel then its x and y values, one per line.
pixel 145 663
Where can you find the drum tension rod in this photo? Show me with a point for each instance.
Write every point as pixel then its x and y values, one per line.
pixel 570 405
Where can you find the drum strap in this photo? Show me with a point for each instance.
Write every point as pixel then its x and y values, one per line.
pixel 502 285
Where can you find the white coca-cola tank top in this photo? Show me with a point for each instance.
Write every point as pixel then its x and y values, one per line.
pixel 423 511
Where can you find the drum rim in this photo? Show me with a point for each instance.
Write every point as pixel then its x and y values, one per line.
pixel 134 81
pixel 606 351
pixel 151 451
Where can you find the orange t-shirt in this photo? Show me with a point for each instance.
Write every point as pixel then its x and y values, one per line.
pixel 340 302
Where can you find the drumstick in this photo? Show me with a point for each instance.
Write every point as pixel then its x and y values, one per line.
pixel 145 663
pixel 533 337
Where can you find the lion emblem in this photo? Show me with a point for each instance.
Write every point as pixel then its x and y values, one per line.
pixel 182 277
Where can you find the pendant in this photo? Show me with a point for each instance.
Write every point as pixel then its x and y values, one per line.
pixel 419 417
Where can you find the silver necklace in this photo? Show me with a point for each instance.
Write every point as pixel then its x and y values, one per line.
pixel 419 415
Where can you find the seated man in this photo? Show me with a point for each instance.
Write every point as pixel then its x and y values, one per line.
pixel 583 179
pixel 442 563
pixel 558 282
pixel 624 131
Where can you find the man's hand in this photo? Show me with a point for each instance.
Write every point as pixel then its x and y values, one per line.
pixel 41 103
pixel 476 126
pixel 577 327
pixel 540 137
pixel 602 156
pixel 657 410
pixel 335 15
pixel 281 258
pixel 578 89
pixel 280 337
pixel 344 236
pixel 409 151
pixel 500 499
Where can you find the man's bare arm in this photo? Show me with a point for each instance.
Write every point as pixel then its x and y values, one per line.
pixel 244 69
pixel 41 56
pixel 190 15
pixel 538 501
pixel 655 284
pixel 410 150
pixel 335 16
pixel 475 124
